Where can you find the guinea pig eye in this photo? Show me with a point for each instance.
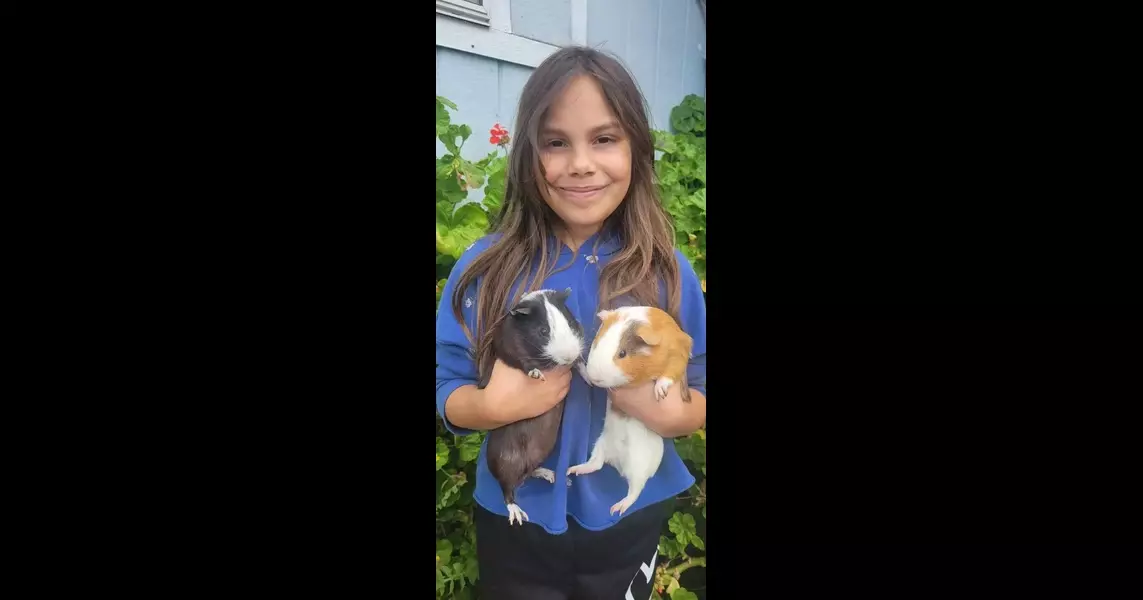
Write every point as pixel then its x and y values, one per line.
pixel 543 331
pixel 622 353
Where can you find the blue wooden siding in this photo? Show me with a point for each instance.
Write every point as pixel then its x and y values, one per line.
pixel 547 21
pixel 660 41
pixel 485 91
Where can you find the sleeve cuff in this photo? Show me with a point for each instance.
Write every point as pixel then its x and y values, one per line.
pixel 444 390
pixel 696 374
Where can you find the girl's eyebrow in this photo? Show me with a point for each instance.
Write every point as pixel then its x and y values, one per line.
pixel 598 129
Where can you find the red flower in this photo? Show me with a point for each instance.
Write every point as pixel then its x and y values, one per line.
pixel 499 135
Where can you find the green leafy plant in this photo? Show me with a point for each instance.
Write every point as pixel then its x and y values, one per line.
pixel 690 116
pixel 681 173
pixel 460 222
pixel 457 570
pixel 681 547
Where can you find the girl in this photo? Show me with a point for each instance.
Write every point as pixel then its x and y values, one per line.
pixel 580 211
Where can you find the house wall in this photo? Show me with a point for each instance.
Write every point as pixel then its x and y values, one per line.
pixel 662 42
pixel 483 67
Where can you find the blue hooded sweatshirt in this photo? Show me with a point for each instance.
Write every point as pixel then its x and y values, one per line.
pixel 587 498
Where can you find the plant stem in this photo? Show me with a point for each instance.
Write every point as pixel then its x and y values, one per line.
pixel 691 562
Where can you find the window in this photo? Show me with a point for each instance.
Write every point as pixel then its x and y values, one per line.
pixel 468 10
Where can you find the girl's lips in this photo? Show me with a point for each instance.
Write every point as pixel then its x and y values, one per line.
pixel 582 193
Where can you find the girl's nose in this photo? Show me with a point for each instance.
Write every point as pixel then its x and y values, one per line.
pixel 582 163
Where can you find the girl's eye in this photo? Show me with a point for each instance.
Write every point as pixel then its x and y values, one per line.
pixel 556 143
pixel 622 353
pixel 605 139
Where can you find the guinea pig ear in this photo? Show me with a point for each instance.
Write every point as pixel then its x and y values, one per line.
pixel 520 310
pixel 603 314
pixel 649 336
pixel 564 295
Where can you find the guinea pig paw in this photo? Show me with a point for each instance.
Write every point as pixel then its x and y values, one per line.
pixel 536 374
pixel 583 469
pixel 515 513
pixel 661 387
pixel 622 506
pixel 545 474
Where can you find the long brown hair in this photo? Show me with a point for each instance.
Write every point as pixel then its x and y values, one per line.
pixel 528 224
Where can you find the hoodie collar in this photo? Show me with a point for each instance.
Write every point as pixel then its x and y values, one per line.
pixel 604 243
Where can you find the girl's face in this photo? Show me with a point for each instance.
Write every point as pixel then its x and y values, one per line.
pixel 586 158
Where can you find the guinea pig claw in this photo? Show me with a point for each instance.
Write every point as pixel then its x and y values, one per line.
pixel 622 506
pixel 515 513
pixel 536 374
pixel 545 474
pixel 661 387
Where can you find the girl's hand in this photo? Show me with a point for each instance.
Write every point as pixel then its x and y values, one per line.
pixel 638 400
pixel 669 417
pixel 512 395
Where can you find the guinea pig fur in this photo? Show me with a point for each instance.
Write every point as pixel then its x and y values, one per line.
pixel 537 334
pixel 634 345
pixel 637 344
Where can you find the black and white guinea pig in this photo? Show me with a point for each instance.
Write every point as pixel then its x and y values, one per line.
pixel 538 333
pixel 634 345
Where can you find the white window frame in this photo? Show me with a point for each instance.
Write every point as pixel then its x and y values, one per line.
pixel 488 13
pixel 487 31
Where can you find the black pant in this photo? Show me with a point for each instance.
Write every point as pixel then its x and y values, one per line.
pixel 528 563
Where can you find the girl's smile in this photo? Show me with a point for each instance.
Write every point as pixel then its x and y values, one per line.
pixel 582 195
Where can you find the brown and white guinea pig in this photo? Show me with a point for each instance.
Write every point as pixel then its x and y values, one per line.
pixel 537 334
pixel 635 344
pixel 638 344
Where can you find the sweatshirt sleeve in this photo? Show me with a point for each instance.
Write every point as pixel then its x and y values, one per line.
pixel 456 364
pixel 692 314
